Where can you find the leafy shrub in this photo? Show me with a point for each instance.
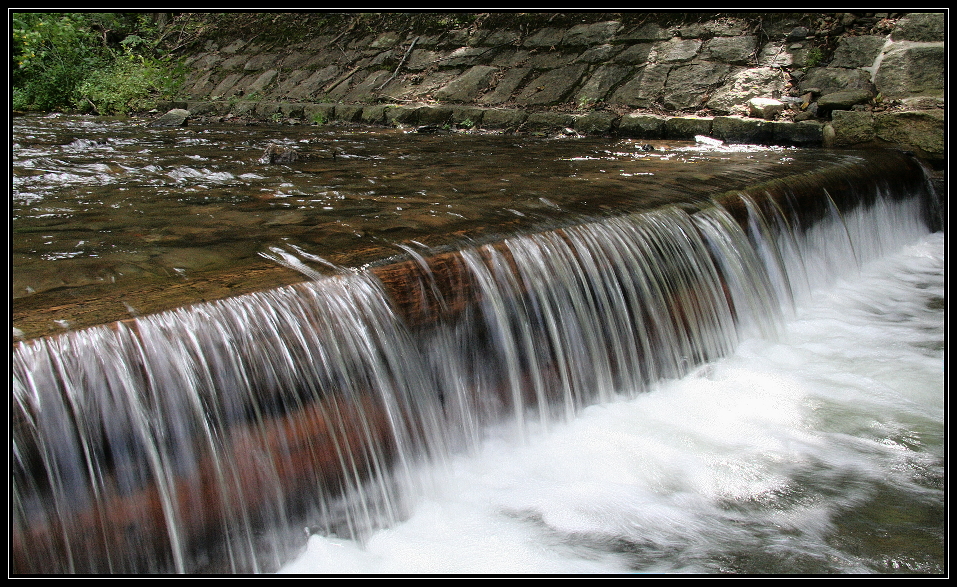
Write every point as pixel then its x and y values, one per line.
pixel 131 83
pixel 52 53
pixel 104 61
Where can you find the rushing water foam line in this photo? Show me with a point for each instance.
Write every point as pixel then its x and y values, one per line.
pixel 208 425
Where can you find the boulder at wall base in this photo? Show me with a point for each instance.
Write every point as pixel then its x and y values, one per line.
pixel 798 134
pixel 733 129
pixel 642 126
pixel 843 100
pixel 503 118
pixel 597 122
pixel 921 131
pixel 686 128
pixel 175 117
pixel 766 108
pixel 851 128
pixel 912 69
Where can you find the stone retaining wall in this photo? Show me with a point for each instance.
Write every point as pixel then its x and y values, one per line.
pixel 837 80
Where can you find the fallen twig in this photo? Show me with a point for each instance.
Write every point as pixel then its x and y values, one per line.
pixel 401 63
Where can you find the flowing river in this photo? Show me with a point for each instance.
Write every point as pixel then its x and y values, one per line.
pixel 640 387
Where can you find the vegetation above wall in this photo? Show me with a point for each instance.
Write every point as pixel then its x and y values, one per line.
pixel 105 63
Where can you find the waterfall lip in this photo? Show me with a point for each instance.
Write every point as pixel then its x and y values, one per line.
pixel 422 293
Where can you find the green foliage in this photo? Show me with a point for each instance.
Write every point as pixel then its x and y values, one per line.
pixel 131 83
pixel 319 118
pixel 52 52
pixel 814 57
pixel 105 61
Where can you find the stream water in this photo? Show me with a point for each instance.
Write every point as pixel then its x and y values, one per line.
pixel 656 390
pixel 128 214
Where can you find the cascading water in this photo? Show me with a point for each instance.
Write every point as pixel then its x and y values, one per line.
pixel 206 438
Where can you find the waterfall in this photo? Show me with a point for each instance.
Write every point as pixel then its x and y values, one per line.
pixel 206 438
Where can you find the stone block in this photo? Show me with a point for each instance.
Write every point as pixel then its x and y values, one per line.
pixel 859 51
pixel 467 57
pixel 373 114
pixel 386 40
pixel 765 108
pixel 262 82
pixel 742 84
pixel 644 89
pixel 401 115
pixel 634 54
pixel 734 50
pixel 798 134
pixel 504 119
pixel 288 82
pixel 261 62
pixel 348 112
pixel 225 87
pixel 367 90
pixel 494 38
pixel 685 128
pixel 733 129
pixel 291 110
pixel 175 117
pixel 506 86
pixel 551 59
pixel 234 62
pixel 318 112
pixel 434 115
pixel 688 86
pixel 201 108
pixel 597 122
pixel 909 69
pixel 600 82
pixel 467 116
pixel 468 86
pixel 420 59
pixel 921 131
pixel 599 54
pixel 313 85
pixel 591 34
pixel 243 108
pixel 234 47
pixel 547 37
pixel 852 127
pixel 548 121
pixel 844 100
pixel 642 126
pixel 646 32
pixel 922 27
pixel 835 79
pixel 552 87
pixel 675 50
pixel 267 109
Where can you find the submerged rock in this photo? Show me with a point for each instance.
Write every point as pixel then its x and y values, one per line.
pixel 278 155
pixel 175 117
